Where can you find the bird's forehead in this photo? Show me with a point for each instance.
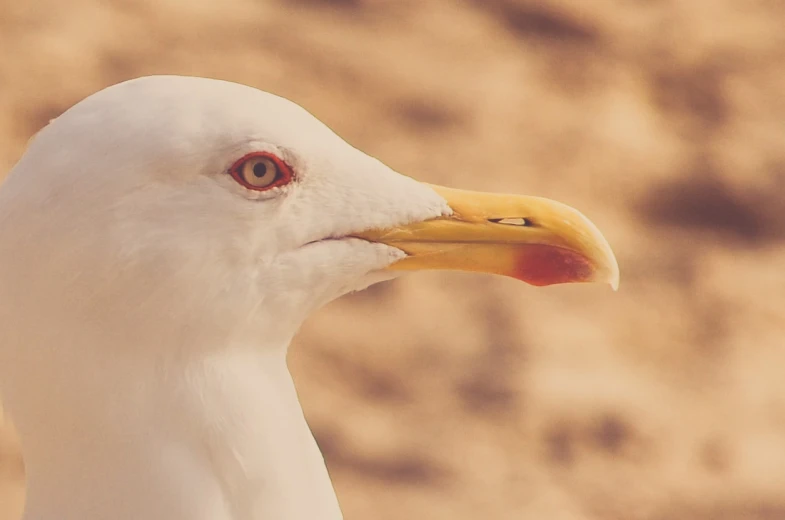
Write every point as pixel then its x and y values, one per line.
pixel 193 115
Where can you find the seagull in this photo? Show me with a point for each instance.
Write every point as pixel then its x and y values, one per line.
pixel 163 240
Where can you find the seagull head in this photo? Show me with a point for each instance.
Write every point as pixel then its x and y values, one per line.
pixel 185 199
pixel 163 240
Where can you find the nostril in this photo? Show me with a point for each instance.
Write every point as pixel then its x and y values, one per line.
pixel 513 221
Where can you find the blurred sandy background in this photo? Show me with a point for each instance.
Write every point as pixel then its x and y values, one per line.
pixel 451 396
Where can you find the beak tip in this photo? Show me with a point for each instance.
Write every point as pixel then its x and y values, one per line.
pixel 613 271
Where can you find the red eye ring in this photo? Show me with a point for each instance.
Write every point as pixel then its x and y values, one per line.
pixel 261 171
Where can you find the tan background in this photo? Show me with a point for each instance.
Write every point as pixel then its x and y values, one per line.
pixel 451 396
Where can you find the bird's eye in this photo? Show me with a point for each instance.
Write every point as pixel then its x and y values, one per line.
pixel 261 171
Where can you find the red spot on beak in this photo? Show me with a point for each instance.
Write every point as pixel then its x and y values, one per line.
pixel 540 265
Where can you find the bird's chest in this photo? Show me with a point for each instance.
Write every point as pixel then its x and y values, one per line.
pixel 262 452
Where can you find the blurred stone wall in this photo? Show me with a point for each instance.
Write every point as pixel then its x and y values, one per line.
pixel 454 396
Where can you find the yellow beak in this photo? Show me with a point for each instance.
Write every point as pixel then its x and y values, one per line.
pixel 537 240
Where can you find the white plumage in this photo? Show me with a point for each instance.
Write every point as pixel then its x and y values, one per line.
pixel 148 298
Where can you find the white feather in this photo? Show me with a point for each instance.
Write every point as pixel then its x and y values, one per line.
pixel 148 300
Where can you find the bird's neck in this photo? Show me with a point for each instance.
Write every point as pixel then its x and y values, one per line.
pixel 219 437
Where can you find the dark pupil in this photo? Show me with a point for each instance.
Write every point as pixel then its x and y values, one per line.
pixel 260 169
